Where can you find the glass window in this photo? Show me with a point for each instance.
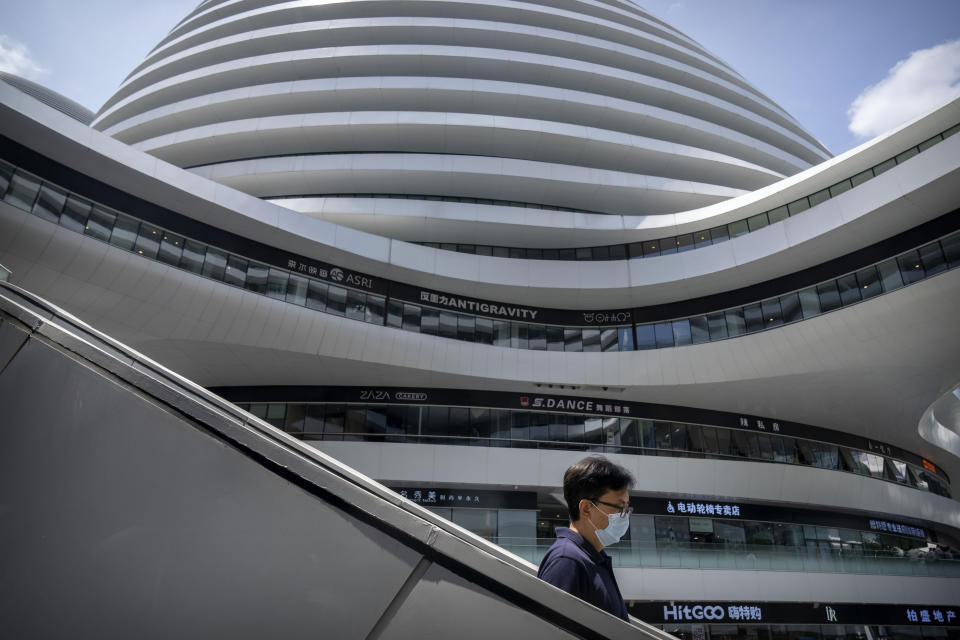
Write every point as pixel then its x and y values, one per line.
pixel 356 303
pixel 926 144
pixel 124 234
pixel 772 315
pixel 466 327
pixel 394 314
pixel 778 214
pixel 171 247
pixel 49 203
pixel 236 272
pixel 651 248
pixel 738 228
pixel 6 175
pixel 717 325
pixel 501 333
pixel 736 324
pixel 148 241
pixel 906 155
pixel 646 337
pixel 890 275
pixel 591 340
pixel 336 300
pixel 951 249
pixel 884 166
pixel 572 339
pixel 790 305
pixel 215 264
pixel 277 284
pixel 537 335
pixel 598 253
pixel 518 336
pixel 797 206
pixel 373 310
pixel 719 234
pixel 757 222
pixel 316 295
pixel 411 319
pixel 448 325
pixel 681 332
pixel 100 224
pixel 430 321
pixel 484 330
pixel 819 196
pixel 635 249
pixel 618 252
pixel 256 279
pixel 849 289
pixel 829 296
pixel 911 269
pixel 839 188
pixel 684 242
pixel 753 315
pixel 667 246
pixel 297 290
pixel 702 239
pixel 554 338
pixel 809 302
pixel 932 259
pixel 624 339
pixel 862 177
pixel 22 191
pixel 699 330
pixel 664 334
pixel 869 282
pixel 193 252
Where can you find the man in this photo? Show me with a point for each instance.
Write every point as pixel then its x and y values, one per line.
pixel 598 499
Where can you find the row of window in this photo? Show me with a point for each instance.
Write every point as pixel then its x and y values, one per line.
pixel 684 242
pixel 47 201
pixel 431 198
pixel 528 429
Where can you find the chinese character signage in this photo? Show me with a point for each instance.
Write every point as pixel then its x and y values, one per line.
pixel 581 405
pixel 794 613
pixel 681 507
pixel 900 529
pixel 468 498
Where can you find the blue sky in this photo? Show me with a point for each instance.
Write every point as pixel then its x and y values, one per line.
pixel 813 57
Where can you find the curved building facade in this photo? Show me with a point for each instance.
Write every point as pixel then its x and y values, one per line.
pixel 459 245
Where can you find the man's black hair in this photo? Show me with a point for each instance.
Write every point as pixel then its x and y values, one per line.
pixel 591 478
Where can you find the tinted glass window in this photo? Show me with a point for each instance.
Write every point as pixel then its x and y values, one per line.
pixel 100 224
pixel 809 302
pixel 778 214
pixel 681 332
pixel 236 271
pixel 608 340
pixel 646 337
pixel 430 321
pixel 411 319
pixel 171 248
pixel 448 324
pixel 738 228
pixel 124 233
pixel 297 290
pixel 839 188
pixel 49 203
pixel 718 326
pixel 75 214
pixel 591 339
pixel 193 253
pixel 771 312
pixel 797 206
pixel 951 249
pixel 256 280
pixel 757 222
pixel 484 330
pixel 537 334
pixel 818 197
pixel 277 284
pixel 214 264
pixel 316 295
pixel 790 306
pixel 890 275
pixel 148 241
pixel 699 331
pixel 869 282
pixel 753 315
pixel 336 300
pixel 911 269
pixel 849 289
pixel 932 259
pixel 719 234
pixel 736 325
pixel 554 338
pixel 394 314
pixel 356 303
pixel 22 191
pixel 572 339
pixel 829 296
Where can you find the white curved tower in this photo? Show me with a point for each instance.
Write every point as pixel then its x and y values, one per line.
pixel 581 104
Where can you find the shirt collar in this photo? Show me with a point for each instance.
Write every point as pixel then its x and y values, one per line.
pixel 580 541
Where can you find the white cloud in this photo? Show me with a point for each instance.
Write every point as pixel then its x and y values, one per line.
pixel 15 58
pixel 926 79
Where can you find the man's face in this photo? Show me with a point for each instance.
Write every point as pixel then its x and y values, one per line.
pixel 609 503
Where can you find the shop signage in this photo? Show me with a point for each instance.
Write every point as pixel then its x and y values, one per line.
pixel 469 305
pixel 713 612
pixel 893 527
pixel 331 274
pixel 573 404
pixel 931 616
pixel 704 509
pixel 468 498
pixel 760 424
pixel 794 613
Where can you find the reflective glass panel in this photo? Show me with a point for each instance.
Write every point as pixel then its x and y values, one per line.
pixel 778 214
pixel 753 315
pixel 171 248
pixel 214 264
pixel 911 269
pixel 869 282
pixel 699 330
pixel 718 326
pixel 829 296
pixel 448 325
pixel 466 328
pixel 757 222
pixel 236 272
pixel 554 338
pixel 395 314
pixel 148 241
pixel 818 197
pixel 411 320
pixel 256 279
pixel 297 290
pixel 75 214
pixel 809 302
pixel 572 339
pixel 646 337
pixel 22 191
pixel 193 253
pixel 849 289
pixel 681 332
pixel 772 315
pixel 890 275
pixel 839 188
pixel 336 300
pixel 736 325
pixel 518 336
pixel 537 334
pixel 790 306
pixel 951 249
pixel 797 206
pixel 49 203
pixel 100 224
pixel 356 303
pixel 124 234
pixel 932 259
pixel 484 330
pixel 591 339
pixel 277 284
pixel 430 321
pixel 625 339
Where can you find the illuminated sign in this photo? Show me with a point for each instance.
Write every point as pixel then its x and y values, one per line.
pixel 573 404
pixel 929 466
pixel 931 616
pixel 713 612
pixel 893 527
pixel 704 509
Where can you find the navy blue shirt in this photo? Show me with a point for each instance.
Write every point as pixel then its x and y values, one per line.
pixel 574 565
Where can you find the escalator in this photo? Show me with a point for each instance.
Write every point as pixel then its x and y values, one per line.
pixel 134 503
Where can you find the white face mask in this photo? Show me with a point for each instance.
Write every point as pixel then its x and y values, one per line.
pixel 617 525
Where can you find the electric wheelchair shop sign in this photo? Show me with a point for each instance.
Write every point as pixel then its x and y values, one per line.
pixel 711 612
